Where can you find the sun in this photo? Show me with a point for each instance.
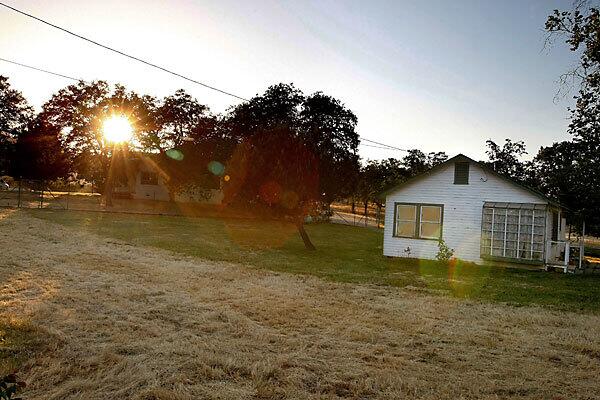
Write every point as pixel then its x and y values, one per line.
pixel 117 129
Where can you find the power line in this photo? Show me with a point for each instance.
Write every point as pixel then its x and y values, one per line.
pixel 379 145
pixel 375 147
pixel 383 144
pixel 121 52
pixel 40 69
pixel 142 61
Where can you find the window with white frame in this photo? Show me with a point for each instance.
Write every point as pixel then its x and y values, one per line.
pixel 418 221
pixel 513 231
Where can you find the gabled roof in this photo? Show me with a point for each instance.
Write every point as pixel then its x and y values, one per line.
pixel 462 157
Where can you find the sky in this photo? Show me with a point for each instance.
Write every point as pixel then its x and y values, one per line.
pixel 436 75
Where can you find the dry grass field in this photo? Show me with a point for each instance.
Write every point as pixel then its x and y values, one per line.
pixel 90 317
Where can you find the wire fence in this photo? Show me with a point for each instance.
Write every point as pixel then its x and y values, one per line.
pixel 354 219
pixel 44 195
pixel 38 194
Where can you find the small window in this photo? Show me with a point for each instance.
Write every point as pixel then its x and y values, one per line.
pixel 419 221
pixel 461 173
pixel 431 222
pixel 149 178
pixel 406 220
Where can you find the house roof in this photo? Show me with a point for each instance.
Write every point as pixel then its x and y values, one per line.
pixel 462 157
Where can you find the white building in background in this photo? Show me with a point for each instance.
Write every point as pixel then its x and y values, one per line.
pixel 480 214
pixel 147 182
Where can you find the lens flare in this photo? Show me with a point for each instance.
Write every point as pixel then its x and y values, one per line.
pixel 117 129
pixel 175 154
pixel 216 168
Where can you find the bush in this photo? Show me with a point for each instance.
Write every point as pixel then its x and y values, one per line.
pixel 444 253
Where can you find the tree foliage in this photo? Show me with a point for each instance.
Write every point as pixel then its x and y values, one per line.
pixel 378 176
pixel 15 114
pixel 293 151
pixel 578 160
pixel 39 153
pixel 79 110
pixel 507 160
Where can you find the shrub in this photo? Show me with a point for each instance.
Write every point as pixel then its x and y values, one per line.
pixel 444 253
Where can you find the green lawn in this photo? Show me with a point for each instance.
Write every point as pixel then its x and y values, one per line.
pixel 344 253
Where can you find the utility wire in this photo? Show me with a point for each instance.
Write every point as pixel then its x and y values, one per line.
pixel 142 61
pixel 377 145
pixel 383 144
pixel 121 52
pixel 39 69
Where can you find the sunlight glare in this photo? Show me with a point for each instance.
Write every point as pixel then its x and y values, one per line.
pixel 117 129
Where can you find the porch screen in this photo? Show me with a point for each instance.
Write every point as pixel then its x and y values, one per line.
pixel 513 231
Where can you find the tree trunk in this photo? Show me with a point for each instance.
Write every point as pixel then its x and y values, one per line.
pixel 108 191
pixel 108 185
pixel 353 205
pixel 307 243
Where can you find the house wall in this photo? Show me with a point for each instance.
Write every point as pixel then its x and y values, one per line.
pixel 150 192
pixel 208 196
pixel 463 205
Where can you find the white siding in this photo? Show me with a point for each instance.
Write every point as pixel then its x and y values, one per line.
pixel 463 206
pixel 151 192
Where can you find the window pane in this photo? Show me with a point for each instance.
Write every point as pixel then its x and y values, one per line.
pixel 406 212
pixel 430 230
pixel 431 213
pixel 405 229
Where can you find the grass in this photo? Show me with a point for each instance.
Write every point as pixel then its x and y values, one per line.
pixel 91 317
pixel 344 254
pixel 19 341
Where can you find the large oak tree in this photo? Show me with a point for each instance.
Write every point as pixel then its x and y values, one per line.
pixel 294 151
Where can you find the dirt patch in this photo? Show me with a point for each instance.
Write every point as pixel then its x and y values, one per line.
pixel 141 323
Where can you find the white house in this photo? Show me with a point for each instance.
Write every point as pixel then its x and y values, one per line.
pixel 148 182
pixel 480 214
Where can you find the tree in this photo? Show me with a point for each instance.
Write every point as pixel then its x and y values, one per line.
pixel 278 107
pixel 15 114
pixel 416 162
pixel 79 111
pixel 275 169
pixel 39 154
pixel 506 160
pixel 329 130
pixel 184 138
pixel 176 119
pixel 580 28
pixel 302 146
pixel 378 176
